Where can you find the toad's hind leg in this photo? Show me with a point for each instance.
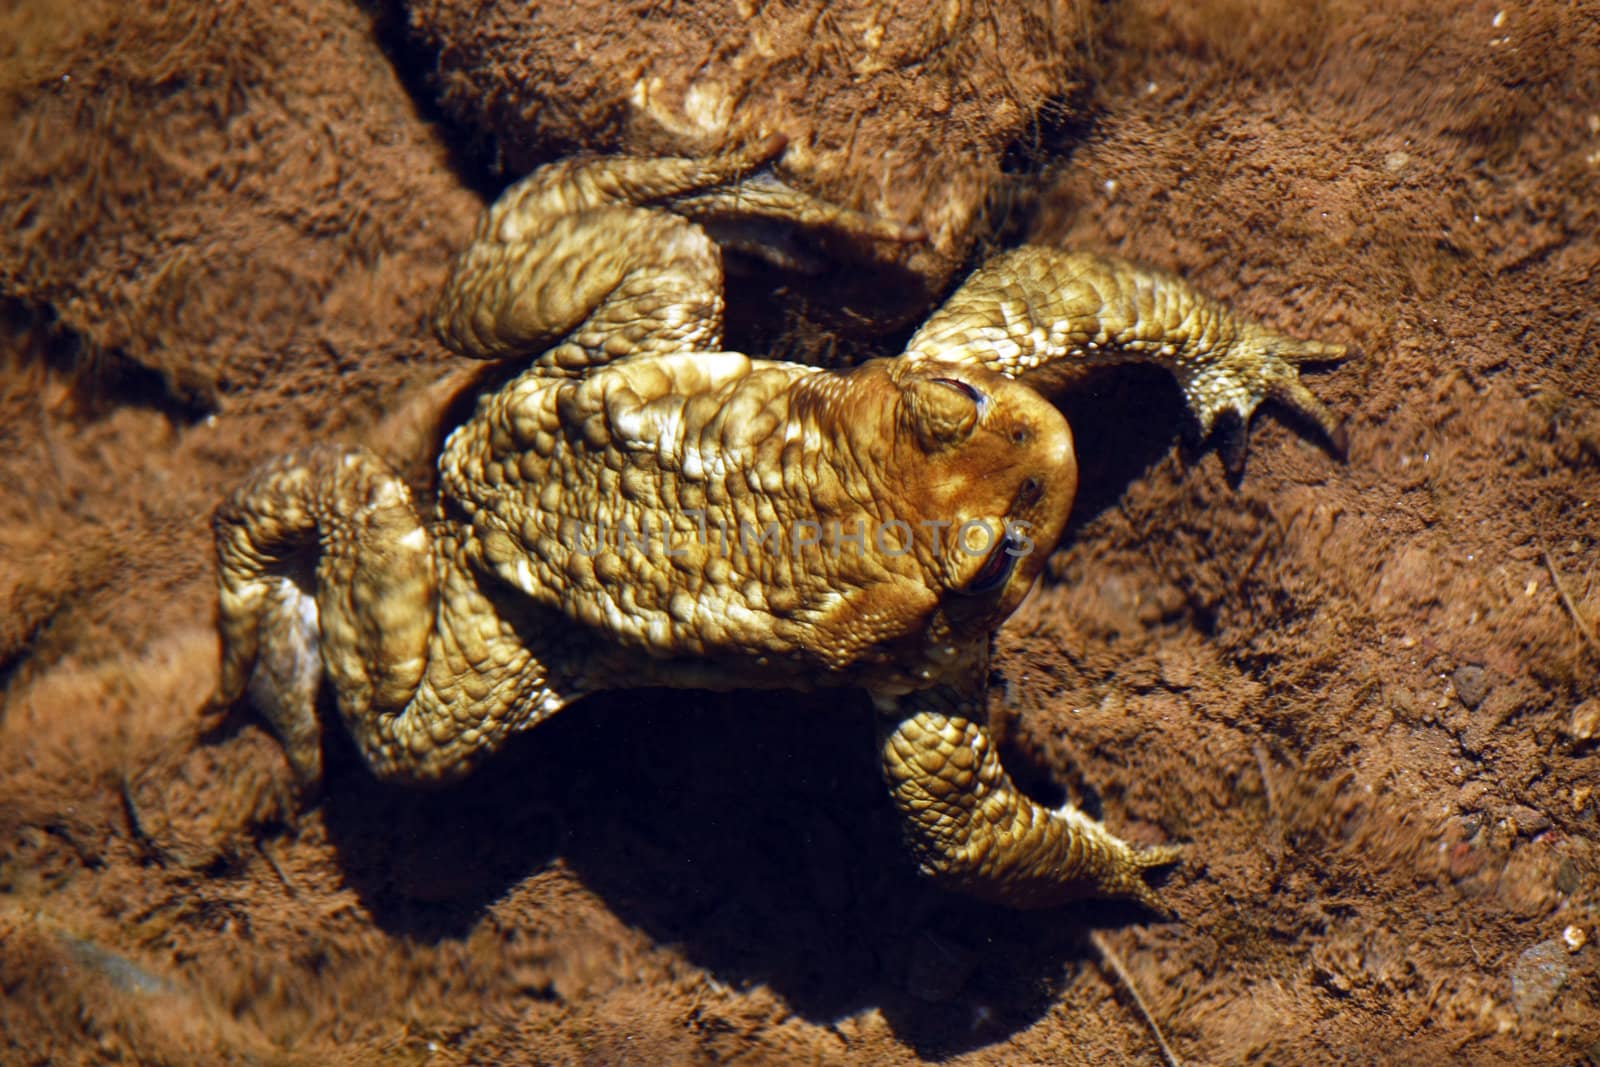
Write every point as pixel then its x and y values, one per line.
pixel 590 259
pixel 324 567
pixel 974 831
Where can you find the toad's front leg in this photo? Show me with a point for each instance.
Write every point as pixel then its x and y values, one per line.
pixel 973 830
pixel 1030 312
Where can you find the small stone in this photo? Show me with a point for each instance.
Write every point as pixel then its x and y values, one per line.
pixel 1395 162
pixel 1529 820
pixel 1404 703
pixel 1574 937
pixel 1567 878
pixel 1538 976
pixel 1526 884
pixel 123 973
pixel 1472 685
pixel 1585 722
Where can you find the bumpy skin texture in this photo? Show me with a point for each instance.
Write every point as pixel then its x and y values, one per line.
pixel 638 507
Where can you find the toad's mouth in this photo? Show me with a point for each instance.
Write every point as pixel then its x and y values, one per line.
pixel 997 568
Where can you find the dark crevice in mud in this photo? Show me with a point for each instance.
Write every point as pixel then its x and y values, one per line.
pixel 11 662
pixel 35 620
pixel 1027 168
pixel 101 380
pixel 119 382
pixel 473 157
pixel 1060 124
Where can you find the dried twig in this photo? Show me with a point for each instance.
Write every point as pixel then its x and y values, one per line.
pixel 1572 609
pixel 1109 957
pixel 1266 780
pixel 272 861
pixel 136 828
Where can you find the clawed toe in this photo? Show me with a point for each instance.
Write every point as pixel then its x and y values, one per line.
pixel 1293 394
pixel 1258 366
pixel 1298 351
pixel 1134 884
pixel 1157 856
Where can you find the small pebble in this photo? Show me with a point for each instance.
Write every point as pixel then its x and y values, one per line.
pixel 1567 878
pixel 1585 723
pixel 1538 976
pixel 1472 685
pixel 126 975
pixel 1575 937
pixel 1395 162
pixel 1529 821
pixel 1403 702
pixel 1177 669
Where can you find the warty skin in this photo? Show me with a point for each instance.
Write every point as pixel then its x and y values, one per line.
pixel 442 637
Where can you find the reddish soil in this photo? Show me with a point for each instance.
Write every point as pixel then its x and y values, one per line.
pixel 1361 692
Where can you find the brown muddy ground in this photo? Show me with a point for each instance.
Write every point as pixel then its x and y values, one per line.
pixel 1361 691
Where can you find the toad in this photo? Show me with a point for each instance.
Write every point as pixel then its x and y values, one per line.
pixel 639 507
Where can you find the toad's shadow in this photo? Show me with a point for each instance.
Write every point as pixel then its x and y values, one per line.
pixel 751 830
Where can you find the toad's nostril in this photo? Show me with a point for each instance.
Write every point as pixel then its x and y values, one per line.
pixel 1028 494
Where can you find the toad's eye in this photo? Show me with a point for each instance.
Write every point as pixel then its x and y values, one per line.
pixel 996 569
pixel 971 392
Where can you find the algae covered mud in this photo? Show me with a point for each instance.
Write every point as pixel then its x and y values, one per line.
pixel 1360 693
